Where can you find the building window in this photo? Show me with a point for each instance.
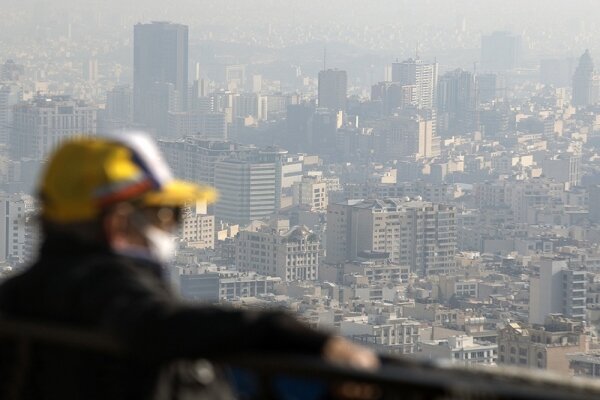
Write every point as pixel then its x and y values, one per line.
pixel 523 352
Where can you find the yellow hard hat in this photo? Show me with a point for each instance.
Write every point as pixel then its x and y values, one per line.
pixel 88 174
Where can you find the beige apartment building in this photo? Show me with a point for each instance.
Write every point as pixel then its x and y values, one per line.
pixel 415 233
pixel 291 255
pixel 311 191
pixel 198 228
pixel 543 347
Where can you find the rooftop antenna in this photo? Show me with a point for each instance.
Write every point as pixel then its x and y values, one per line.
pixel 324 58
pixel 417 52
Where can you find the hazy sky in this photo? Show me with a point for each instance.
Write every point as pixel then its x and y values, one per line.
pixel 479 14
pixel 388 27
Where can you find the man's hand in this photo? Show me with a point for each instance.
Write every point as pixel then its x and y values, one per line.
pixel 343 352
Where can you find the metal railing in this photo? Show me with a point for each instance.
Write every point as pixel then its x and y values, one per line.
pixel 397 378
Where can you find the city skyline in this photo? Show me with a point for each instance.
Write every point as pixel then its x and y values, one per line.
pixel 422 178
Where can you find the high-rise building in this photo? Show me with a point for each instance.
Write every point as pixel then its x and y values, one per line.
pixel 333 88
pixel 500 51
pixel 457 103
pixel 10 95
pixel 90 70
pixel 556 289
pixel 162 100
pixel 119 103
pixel 414 233
pixel 311 192
pixel 322 138
pixel 594 200
pixel 249 185
pixel 586 86
pixel 118 113
pixel 195 159
pixel 394 96
pixel 407 134
pixel 291 255
pixel 421 74
pixel 487 86
pixel 19 230
pixel 299 124
pixel 160 73
pixel 41 124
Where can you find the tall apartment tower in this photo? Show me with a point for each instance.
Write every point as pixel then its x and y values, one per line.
pixel 594 200
pixel 10 95
pixel 41 124
pixel 160 73
pixel 249 186
pixel 333 88
pixel 457 102
pixel 586 88
pixel 414 233
pixel 20 233
pixel 421 74
pixel 500 51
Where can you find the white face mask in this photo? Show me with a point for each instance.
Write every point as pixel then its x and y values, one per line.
pixel 161 244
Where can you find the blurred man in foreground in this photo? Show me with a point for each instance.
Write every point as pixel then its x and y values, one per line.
pixel 109 209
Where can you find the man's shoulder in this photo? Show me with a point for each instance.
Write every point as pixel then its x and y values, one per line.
pixel 76 286
pixel 113 269
pixel 56 274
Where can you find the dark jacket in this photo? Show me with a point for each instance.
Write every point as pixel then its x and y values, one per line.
pixel 127 299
